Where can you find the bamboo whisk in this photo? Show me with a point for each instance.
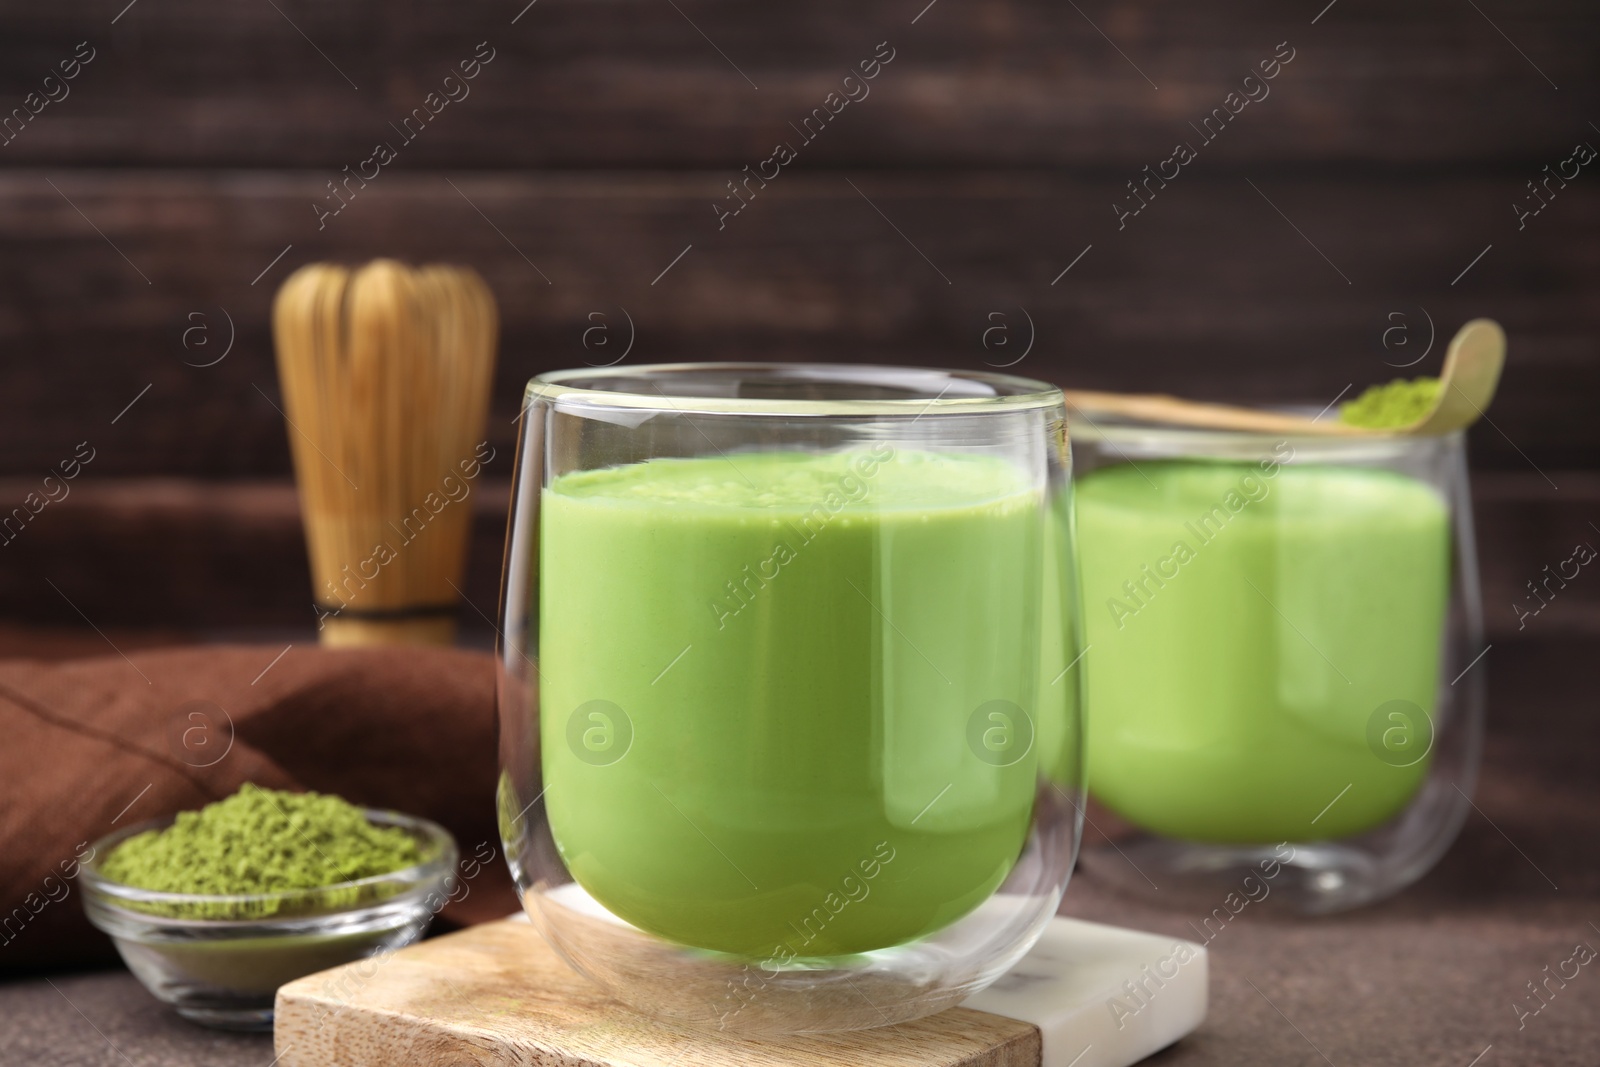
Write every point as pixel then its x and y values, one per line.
pixel 385 373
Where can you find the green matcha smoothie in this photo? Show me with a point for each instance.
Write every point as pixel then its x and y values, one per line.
pixel 1245 622
pixel 757 678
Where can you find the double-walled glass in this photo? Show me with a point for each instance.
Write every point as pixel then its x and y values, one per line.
pixel 1284 691
pixel 789 741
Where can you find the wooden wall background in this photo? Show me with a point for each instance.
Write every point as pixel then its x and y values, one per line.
pixel 147 216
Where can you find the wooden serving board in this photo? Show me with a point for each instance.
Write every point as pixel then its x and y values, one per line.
pixel 498 995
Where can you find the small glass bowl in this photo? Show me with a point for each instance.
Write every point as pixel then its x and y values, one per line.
pixel 225 972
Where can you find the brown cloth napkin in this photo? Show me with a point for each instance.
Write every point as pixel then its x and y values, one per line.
pixel 90 746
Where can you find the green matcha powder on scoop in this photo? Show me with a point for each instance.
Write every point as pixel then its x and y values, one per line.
pixel 262 841
pixel 1386 407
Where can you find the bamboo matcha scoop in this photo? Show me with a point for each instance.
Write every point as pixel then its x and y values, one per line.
pixel 1466 388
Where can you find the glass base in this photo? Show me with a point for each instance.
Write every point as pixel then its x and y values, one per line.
pixel 1316 878
pixel 730 994
pixel 1219 882
pixel 254 1020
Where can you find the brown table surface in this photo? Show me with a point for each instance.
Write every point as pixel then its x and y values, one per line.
pixel 1426 978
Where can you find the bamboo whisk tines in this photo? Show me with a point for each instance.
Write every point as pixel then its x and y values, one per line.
pixel 385 371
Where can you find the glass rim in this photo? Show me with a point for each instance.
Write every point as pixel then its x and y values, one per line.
pixel 985 391
pixel 1119 430
pixel 442 861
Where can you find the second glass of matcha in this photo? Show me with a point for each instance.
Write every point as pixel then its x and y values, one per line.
pixel 1284 679
pixel 790 730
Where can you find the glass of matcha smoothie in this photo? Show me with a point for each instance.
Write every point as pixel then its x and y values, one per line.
pixel 1279 636
pixel 789 738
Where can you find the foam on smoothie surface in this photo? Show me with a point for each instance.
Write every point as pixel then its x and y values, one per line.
pixel 791 480
pixel 798 642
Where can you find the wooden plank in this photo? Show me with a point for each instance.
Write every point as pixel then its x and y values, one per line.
pixel 136 553
pixel 200 556
pixel 497 994
pixel 1208 292
pixel 640 83
pixel 51 643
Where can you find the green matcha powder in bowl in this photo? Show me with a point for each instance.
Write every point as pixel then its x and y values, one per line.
pixel 213 910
